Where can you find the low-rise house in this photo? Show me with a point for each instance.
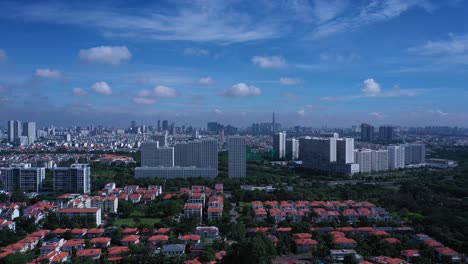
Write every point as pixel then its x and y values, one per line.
pixel 173 249
pixel 190 238
pixel 305 245
pixel 215 213
pixel 343 242
pixel 193 210
pixel 338 255
pixel 79 232
pixel 101 242
pixel 6 224
pixel 52 245
pixel 93 213
pixel 73 244
pixel 387 260
pixel 95 232
pixel 115 253
pixel 207 232
pixel 156 241
pixel 448 252
pixel 410 254
pixel 94 253
pixel 130 240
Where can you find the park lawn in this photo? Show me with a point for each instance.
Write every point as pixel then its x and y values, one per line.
pixel 131 222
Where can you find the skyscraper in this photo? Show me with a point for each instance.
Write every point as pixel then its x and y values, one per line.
pixel 75 179
pixel 165 125
pixel 386 133
pixel 367 132
pixel 237 157
pixel 29 130
pixel 14 130
pixel 161 138
pixel 380 160
pixel 273 124
pixel 415 153
pixel 159 125
pixel 279 145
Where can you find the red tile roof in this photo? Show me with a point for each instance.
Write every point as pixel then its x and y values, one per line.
pixel 88 252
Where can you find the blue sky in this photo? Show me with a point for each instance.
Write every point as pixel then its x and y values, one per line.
pixel 316 63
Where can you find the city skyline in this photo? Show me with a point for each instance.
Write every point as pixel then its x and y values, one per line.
pixel 315 63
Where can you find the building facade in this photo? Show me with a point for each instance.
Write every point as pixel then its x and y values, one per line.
pixel 75 179
pixel 236 157
pixel 22 177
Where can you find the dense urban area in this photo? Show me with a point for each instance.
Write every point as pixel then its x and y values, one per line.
pixel 262 194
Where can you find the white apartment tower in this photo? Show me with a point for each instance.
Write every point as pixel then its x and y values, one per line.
pixel 363 157
pixel 237 157
pixel 396 157
pixel 279 145
pixel 75 179
pixel 380 160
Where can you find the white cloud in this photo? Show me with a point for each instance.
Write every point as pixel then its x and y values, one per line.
pixel 339 58
pixel 269 61
pixel 106 54
pixel 196 51
pixel 290 81
pixel 197 21
pixel 164 92
pixel 325 10
pixel 371 88
pixel 437 112
pixel 206 81
pixel 242 90
pixel 48 73
pixel 373 12
pixel 154 95
pixel 102 88
pixel 3 55
pixel 378 115
pixel 79 91
pixel 218 111
pixel 144 100
pixel 455 45
pixel 301 112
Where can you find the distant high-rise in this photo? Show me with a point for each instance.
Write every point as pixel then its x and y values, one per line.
pixel 75 179
pixel 14 130
pixel 367 132
pixel 159 125
pixel 22 177
pixel 161 138
pixel 386 133
pixel 292 149
pixel 29 131
pixel 165 125
pixel 236 157
pixel 279 145
pixel 133 127
pixel 273 124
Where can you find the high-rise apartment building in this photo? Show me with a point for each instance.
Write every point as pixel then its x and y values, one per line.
pixel 380 160
pixel 367 132
pixel 164 157
pixel 292 149
pixel 161 138
pixel 279 145
pixel 345 150
pixel 415 154
pixel 148 154
pixel 15 130
pixel 29 129
pixel 74 179
pixel 209 154
pixel 22 177
pixel 237 157
pixel 396 157
pixel 363 157
pixel 386 133
pixel 331 154
pixel 165 125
